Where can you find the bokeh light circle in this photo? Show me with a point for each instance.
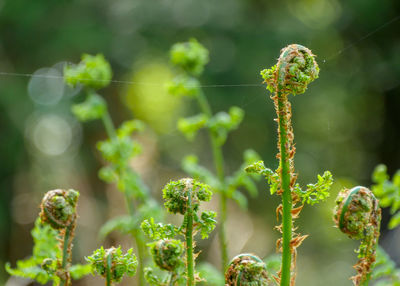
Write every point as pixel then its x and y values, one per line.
pixel 46 86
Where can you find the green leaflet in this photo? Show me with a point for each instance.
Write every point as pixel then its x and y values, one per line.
pixel 388 192
pixel 45 246
pixel 271 176
pixel 318 192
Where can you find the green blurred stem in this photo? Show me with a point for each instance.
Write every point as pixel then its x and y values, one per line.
pixel 219 166
pixel 112 134
pixel 189 241
pixel 66 252
pixel 109 125
pixel 285 184
pixel 108 269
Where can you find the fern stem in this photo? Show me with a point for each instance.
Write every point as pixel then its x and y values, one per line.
pixel 189 241
pixel 111 133
pixel 219 166
pixel 108 269
pixel 108 124
pixel 65 253
pixel 285 184
pixel 140 255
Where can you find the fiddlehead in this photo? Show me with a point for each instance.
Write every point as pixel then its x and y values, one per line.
pixel 246 270
pixel 167 254
pixel 92 72
pixel 183 197
pixel 358 215
pixel 177 194
pixel 296 68
pixel 112 264
pixel 58 209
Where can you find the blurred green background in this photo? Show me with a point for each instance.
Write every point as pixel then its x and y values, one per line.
pixel 347 122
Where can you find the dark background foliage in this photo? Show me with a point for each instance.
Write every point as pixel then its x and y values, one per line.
pixel 347 122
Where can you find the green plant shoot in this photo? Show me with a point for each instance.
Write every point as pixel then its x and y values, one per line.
pixel 112 264
pixel 181 197
pixel 189 58
pixel 52 236
pixel 93 73
pixel 296 68
pixel 358 215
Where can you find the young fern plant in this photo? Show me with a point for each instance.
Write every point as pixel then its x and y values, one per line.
pixel 181 197
pixel 296 68
pixel 358 215
pixel 189 59
pixel 112 264
pixel 53 234
pixel 93 73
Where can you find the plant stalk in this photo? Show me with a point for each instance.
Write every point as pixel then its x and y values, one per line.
pixel 109 125
pixel 189 241
pixel 112 134
pixel 219 166
pixel 285 185
pixel 140 255
pixel 108 269
pixel 65 253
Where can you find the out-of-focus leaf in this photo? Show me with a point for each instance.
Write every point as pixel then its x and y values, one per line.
pixel 388 192
pixel 94 107
pixel 190 165
pixel 93 72
pixel 222 123
pixel 80 270
pixel 189 126
pixel 190 56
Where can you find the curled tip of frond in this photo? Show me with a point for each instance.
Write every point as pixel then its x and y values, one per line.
pixel 93 72
pixel 357 210
pixel 190 56
pixel 113 261
pixel 247 269
pixel 296 68
pixel 167 253
pixel 177 193
pixel 58 208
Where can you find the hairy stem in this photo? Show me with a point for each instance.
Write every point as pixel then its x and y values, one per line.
pixel 189 241
pixel 219 166
pixel 65 279
pixel 285 185
pixel 108 269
